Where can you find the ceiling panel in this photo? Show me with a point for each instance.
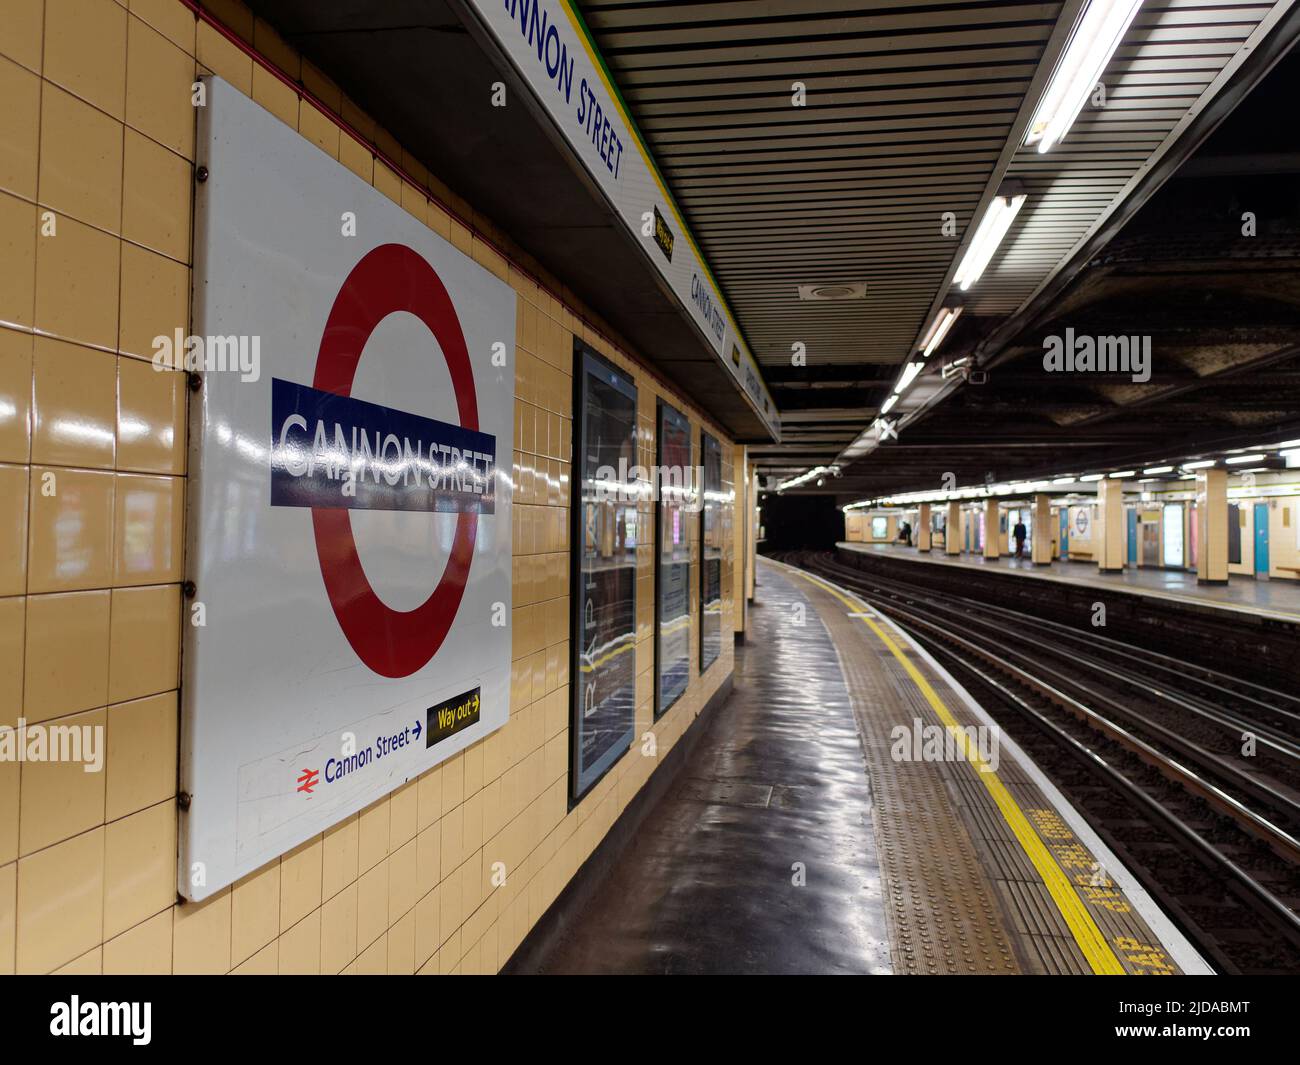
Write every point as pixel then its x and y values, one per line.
pixel 908 109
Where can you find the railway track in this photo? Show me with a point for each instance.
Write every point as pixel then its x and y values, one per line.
pixel 1154 704
pixel 1149 747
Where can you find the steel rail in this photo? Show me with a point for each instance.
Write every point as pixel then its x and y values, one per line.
pixel 1189 702
pixel 1219 680
pixel 1276 838
pixel 1256 892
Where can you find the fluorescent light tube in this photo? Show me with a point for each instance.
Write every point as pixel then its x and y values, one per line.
pixel 1203 464
pixel 888 405
pixel 1122 474
pixel 1159 469
pixel 1237 460
pixel 1096 37
pixel 909 375
pixel 943 321
pixel 1091 477
pixel 988 235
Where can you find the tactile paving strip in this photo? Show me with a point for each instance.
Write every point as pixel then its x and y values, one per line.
pixel 943 913
pixel 962 894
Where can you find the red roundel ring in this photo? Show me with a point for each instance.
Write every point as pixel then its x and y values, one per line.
pixel 394 643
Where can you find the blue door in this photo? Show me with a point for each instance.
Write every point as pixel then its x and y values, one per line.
pixel 1261 539
pixel 1132 536
pixel 1064 543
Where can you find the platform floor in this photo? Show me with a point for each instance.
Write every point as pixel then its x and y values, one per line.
pixel 1271 598
pixel 794 840
pixel 777 783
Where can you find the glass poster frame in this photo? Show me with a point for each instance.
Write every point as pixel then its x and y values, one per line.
pixel 603 573
pixel 710 552
pixel 674 499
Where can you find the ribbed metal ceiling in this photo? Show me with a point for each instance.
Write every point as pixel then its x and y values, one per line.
pixel 1171 55
pixel 907 109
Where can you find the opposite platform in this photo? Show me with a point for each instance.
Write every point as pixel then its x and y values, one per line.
pixel 1277 599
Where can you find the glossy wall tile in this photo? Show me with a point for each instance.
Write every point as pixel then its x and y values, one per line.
pixel 96 178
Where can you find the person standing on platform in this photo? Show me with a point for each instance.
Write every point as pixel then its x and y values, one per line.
pixel 1018 534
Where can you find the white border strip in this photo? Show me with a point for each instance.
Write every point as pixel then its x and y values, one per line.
pixel 1180 949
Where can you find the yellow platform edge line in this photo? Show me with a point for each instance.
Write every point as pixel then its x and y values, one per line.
pixel 1092 941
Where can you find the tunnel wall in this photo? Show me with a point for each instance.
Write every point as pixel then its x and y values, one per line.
pixel 90 576
pixel 798 521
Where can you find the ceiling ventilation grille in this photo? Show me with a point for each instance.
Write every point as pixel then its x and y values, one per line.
pixel 834 290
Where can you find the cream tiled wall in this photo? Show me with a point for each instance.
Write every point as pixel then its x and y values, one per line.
pixel 96 151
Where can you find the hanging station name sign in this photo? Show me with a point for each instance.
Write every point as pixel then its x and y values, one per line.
pixel 547 43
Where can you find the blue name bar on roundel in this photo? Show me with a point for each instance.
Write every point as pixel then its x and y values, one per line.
pixel 341 452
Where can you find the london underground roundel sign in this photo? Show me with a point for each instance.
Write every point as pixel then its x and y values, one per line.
pixel 348 500
pixel 391 278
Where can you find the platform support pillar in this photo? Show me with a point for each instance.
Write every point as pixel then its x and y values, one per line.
pixel 992 529
pixel 923 527
pixel 1212 526
pixel 1041 543
pixel 1109 536
pixel 952 529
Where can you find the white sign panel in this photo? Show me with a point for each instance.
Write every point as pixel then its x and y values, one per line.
pixel 547 43
pixel 349 510
pixel 1173 534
